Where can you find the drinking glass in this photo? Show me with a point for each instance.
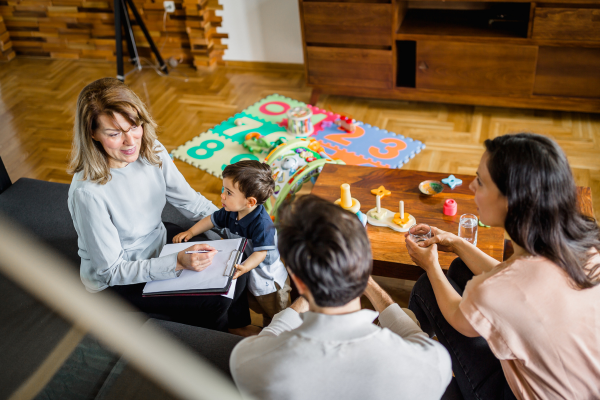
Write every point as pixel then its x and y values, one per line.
pixel 467 228
pixel 420 232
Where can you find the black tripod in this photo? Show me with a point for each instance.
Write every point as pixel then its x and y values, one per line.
pixel 122 21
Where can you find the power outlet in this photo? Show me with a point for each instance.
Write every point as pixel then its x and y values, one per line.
pixel 169 6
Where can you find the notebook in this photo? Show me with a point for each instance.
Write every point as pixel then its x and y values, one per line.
pixel 216 279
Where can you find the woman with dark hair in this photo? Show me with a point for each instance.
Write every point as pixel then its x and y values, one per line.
pixel 528 327
pixel 122 178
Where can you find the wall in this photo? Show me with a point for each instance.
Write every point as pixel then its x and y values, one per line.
pixel 262 30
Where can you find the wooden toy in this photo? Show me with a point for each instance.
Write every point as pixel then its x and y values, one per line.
pixel 400 222
pixel 346 123
pixel 450 207
pixel 452 181
pixel 299 121
pixel 381 192
pixel 346 201
pixel 431 187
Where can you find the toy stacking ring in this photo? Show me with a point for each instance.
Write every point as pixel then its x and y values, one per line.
pixel 381 191
pixel 253 135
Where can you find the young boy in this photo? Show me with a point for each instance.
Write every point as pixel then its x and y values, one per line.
pixel 246 186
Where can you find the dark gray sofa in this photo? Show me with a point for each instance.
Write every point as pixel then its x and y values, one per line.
pixel 91 371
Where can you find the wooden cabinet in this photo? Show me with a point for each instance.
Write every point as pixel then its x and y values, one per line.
pixel 476 68
pixel 348 23
pixel 349 67
pixel 582 24
pixel 568 71
pixel 497 53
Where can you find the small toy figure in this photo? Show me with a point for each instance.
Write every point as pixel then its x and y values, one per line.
pixel 381 192
pixel 346 123
pixel 290 163
pixel 452 181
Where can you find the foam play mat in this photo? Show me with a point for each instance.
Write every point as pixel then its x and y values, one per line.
pixel 229 142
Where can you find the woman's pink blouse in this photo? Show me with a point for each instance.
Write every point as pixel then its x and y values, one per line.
pixel 545 332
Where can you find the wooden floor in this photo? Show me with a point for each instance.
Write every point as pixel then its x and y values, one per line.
pixel 38 96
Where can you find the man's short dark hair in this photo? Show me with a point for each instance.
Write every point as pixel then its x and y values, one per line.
pixel 327 248
pixel 254 179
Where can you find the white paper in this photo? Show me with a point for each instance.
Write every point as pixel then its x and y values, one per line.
pixel 211 277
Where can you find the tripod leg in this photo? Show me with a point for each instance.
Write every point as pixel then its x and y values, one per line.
pixel 119 41
pixel 140 22
pixel 131 45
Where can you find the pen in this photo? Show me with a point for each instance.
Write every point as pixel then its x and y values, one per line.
pixel 200 251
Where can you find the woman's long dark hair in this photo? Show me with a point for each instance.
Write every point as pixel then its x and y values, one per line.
pixel 533 173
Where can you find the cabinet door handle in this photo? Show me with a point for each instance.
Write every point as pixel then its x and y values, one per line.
pixel 423 66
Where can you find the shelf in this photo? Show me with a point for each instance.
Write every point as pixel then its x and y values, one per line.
pixel 488 23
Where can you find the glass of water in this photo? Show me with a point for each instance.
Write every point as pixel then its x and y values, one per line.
pixel 420 232
pixel 467 228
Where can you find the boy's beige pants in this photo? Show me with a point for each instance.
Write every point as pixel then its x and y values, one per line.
pixel 270 304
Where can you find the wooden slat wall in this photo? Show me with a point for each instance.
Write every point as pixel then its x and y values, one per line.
pixel 6 51
pixel 82 29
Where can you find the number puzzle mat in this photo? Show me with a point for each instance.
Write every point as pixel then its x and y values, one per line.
pixel 369 146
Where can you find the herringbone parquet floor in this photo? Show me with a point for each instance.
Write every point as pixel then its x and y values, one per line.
pixel 38 97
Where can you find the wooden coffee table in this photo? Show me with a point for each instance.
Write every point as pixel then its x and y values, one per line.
pixel 390 257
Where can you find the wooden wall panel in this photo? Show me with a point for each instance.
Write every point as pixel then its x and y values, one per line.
pixel 85 29
pixel 6 51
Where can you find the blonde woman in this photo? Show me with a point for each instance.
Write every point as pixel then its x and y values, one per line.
pixel 122 179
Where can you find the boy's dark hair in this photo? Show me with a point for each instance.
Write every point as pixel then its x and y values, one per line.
pixel 254 179
pixel 327 248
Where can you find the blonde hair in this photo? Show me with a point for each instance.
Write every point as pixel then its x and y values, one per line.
pixel 107 96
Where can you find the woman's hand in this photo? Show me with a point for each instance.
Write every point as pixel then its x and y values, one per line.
pixel 424 257
pixel 197 261
pixel 445 241
pixel 183 237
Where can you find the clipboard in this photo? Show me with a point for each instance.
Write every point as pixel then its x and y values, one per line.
pixel 214 280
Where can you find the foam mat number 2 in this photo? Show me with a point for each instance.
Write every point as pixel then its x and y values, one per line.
pixel 212 153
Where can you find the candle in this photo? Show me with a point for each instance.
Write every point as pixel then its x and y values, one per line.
pixel 401 209
pixel 378 203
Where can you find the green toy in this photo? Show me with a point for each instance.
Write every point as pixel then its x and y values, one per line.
pixel 294 163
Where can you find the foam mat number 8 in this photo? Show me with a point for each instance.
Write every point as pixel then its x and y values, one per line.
pixel 208 148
